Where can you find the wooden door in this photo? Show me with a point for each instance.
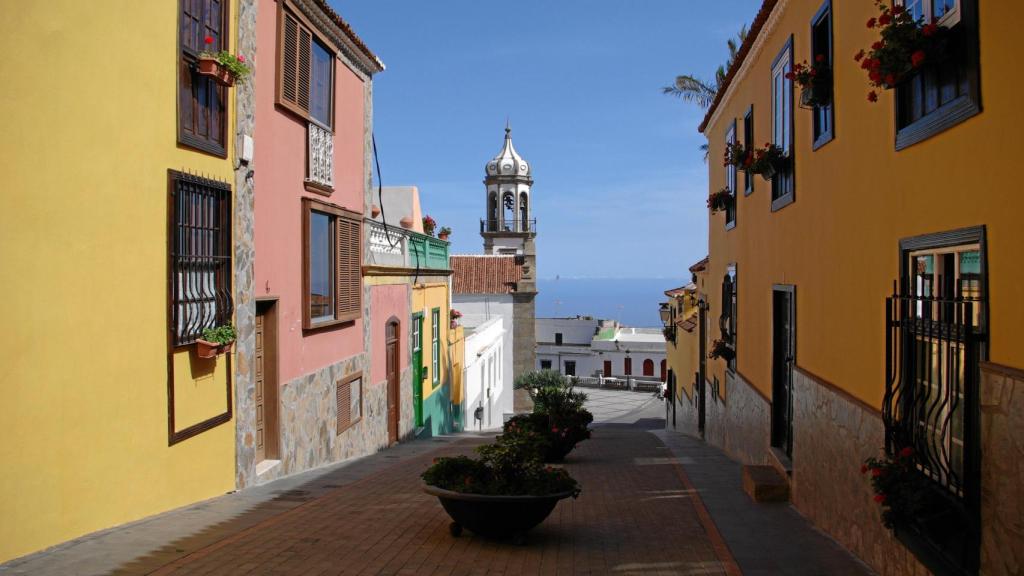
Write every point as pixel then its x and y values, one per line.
pixel 607 368
pixel 783 353
pixel 265 372
pixel 391 339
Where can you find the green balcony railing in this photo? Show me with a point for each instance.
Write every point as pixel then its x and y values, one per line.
pixel 427 252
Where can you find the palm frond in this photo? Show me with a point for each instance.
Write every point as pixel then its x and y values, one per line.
pixel 692 89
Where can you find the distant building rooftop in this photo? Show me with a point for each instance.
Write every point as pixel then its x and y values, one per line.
pixel 485 274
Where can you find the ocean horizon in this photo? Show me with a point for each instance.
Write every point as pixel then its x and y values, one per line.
pixel 631 301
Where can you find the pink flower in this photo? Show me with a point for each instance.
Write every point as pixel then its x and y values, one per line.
pixel 208 40
pixel 241 58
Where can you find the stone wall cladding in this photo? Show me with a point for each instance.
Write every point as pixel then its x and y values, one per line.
pixel 686 415
pixel 524 346
pixel 748 422
pixel 832 435
pixel 245 254
pixel 1002 470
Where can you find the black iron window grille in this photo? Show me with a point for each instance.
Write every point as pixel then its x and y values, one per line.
pixel 200 243
pixel 934 344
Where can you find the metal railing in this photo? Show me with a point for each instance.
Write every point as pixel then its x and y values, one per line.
pixel 320 163
pixel 503 225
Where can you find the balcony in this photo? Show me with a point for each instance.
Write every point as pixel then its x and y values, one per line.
pixel 427 252
pixel 320 163
pixel 504 226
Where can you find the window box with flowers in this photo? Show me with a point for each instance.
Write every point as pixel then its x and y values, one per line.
pixel 216 341
pixel 721 200
pixel 768 161
pixel 815 81
pixel 224 67
pixel 721 349
pixel 737 155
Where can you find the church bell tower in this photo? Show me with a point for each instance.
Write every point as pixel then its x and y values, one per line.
pixel 509 226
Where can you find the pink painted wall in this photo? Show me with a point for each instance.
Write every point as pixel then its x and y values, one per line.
pixel 280 168
pixel 387 301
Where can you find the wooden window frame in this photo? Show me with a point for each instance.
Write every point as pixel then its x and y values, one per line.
pixel 824 13
pixel 787 197
pixel 748 144
pixel 731 177
pixel 342 426
pixel 338 214
pixel 187 57
pixel 435 346
pixel 285 9
pixel 960 108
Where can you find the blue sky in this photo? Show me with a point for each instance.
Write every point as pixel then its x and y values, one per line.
pixel 620 186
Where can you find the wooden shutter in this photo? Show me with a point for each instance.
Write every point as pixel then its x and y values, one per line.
pixel 348 271
pixel 293 64
pixel 343 394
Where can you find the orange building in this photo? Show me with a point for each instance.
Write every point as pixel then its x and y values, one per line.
pixel 863 297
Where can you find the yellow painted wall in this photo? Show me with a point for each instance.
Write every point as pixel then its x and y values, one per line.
pixel 426 297
pixel 457 348
pixel 89 134
pixel 856 198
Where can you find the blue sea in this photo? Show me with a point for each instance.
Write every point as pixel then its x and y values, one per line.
pixel 631 301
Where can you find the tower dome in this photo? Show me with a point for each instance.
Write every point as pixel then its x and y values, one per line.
pixel 508 162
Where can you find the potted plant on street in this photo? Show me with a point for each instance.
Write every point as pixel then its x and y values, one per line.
pixel 429 224
pixel 768 161
pixel 814 81
pixel 904 47
pixel 216 341
pixel 721 200
pixel 444 233
pixel 558 422
pixel 722 349
pixel 223 66
pixel 454 316
pixel 505 492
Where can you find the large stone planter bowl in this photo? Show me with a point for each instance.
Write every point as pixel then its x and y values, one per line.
pixel 495 516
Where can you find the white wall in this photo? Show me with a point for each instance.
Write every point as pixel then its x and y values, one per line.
pixel 476 310
pixel 573 330
pixel 589 355
pixel 483 373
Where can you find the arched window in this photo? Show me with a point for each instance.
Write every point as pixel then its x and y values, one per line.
pixel 664 372
pixel 508 213
pixel 524 213
pixel 648 367
pixel 628 366
pixel 492 212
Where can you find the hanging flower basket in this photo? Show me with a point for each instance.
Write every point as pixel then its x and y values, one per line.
pixel 211 67
pixel 904 47
pixel 224 67
pixel 720 200
pixel 722 349
pixel 814 80
pixel 768 161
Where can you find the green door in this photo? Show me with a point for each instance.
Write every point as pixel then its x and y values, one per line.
pixel 417 368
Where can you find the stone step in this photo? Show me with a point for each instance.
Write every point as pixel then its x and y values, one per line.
pixel 765 484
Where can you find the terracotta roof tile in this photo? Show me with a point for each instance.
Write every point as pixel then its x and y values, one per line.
pixel 701 265
pixel 322 4
pixel 485 274
pixel 741 55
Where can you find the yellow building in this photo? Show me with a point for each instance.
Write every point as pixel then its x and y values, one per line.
pixel 116 237
pixel 436 360
pixel 682 351
pixel 909 194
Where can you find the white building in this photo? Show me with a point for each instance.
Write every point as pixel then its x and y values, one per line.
pixel 585 346
pixel 487 386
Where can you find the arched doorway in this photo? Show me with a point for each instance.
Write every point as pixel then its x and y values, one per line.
pixel 648 367
pixel 391 331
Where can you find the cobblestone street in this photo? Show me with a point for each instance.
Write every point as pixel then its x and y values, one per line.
pixel 638 514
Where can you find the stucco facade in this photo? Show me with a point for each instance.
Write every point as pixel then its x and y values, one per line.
pixel 90 377
pixel 838 244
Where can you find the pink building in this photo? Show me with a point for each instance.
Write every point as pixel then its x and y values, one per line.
pixel 318 371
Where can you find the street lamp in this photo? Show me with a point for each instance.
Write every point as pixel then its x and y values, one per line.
pixel 666 314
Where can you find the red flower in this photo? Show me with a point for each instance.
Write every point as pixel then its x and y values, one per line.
pixel 877 45
pixel 906 452
pixel 875 76
pixel 208 40
pixel 555 430
pixel 884 19
pixel 820 58
pixel 897 10
pixel 929 29
pixel 863 468
pixel 918 58
pixel 241 58
pixel 890 79
pixel 871 23
pixel 858 56
pixel 790 75
pixel 872 96
pixel 880 498
pixel 876 472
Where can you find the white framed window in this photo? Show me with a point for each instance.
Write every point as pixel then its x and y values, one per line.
pixel 945 12
pixel 782 125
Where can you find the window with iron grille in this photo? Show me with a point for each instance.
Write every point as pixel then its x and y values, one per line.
pixel 200 267
pixel 202 103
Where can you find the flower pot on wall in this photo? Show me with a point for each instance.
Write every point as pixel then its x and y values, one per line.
pixel 209 66
pixel 207 349
pixel 374 211
pixel 406 222
pixel 443 236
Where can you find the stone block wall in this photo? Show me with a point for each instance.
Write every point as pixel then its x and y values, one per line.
pixel 748 422
pixel 1002 470
pixel 832 435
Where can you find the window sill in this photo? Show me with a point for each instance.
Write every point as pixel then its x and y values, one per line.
pixel 822 140
pixel 940 120
pixel 783 201
pixel 730 225
pixel 309 328
pixel 317 188
pixel 200 145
